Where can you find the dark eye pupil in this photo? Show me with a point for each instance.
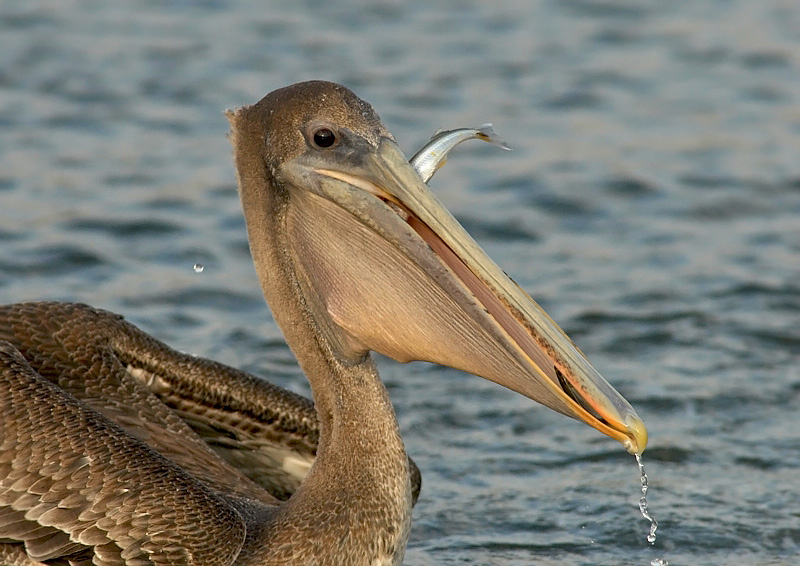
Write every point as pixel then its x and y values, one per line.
pixel 324 137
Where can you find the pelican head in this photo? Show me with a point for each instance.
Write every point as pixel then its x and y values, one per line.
pixel 379 264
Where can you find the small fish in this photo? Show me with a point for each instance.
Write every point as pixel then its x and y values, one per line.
pixel 433 155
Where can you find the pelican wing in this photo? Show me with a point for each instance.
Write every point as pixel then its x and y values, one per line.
pixel 237 433
pixel 82 351
pixel 77 488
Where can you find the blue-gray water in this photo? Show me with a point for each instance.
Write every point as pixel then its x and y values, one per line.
pixel 652 205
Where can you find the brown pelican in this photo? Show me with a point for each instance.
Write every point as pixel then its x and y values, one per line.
pixel 115 449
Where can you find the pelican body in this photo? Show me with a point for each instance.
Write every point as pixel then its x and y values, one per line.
pixel 115 449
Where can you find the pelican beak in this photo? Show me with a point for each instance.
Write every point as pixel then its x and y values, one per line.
pixel 396 273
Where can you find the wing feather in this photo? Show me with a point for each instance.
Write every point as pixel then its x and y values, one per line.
pixel 112 482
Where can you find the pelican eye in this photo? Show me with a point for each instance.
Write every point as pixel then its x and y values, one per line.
pixel 324 138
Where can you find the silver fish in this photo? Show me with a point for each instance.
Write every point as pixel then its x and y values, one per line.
pixel 433 155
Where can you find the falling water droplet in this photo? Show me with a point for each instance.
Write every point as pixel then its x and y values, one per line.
pixel 651 537
pixel 198 268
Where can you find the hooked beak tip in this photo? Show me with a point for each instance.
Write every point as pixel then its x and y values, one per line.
pixel 636 440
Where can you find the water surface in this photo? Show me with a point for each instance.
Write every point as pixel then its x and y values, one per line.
pixel 652 205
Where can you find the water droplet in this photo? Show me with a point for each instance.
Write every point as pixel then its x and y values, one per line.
pixel 651 536
pixel 198 268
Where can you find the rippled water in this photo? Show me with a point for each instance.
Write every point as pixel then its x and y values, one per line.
pixel 652 205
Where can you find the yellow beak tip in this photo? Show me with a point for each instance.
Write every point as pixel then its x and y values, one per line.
pixel 636 437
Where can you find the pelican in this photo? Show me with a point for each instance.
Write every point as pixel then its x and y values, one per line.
pixel 116 449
